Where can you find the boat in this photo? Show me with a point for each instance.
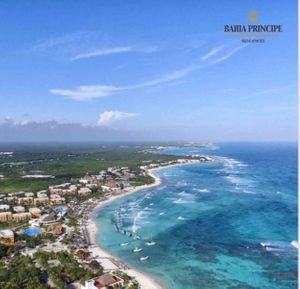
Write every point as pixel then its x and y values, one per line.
pixel 144 258
pixel 295 244
pixel 136 250
pixel 151 243
pixel 124 244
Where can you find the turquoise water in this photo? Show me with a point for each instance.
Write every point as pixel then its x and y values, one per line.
pixel 227 224
pixel 33 231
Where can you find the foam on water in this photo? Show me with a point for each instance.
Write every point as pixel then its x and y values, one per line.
pixel 182 201
pixel 214 238
pixel 135 220
pixel 202 190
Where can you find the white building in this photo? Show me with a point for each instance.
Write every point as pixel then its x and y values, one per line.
pixel 104 281
pixel 84 191
pixel 4 207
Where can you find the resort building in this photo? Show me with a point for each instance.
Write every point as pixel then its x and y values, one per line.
pixel 53 190
pixel 92 186
pixel 56 229
pixel 10 200
pixel 47 219
pixel 69 192
pixel 105 189
pixel 35 212
pixel 29 194
pixel 84 191
pixel 7 237
pixel 41 195
pixel 112 184
pixel 25 201
pixel 57 201
pixel 21 217
pixel 4 208
pixel 17 194
pixel 73 188
pixel 104 281
pixel 5 217
pixel 41 201
pixel 19 209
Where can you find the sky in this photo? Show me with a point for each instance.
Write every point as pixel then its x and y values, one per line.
pixel 146 70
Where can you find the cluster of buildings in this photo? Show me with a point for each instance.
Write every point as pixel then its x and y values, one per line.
pixel 44 208
pixel 109 180
pixel 17 213
pixel 22 206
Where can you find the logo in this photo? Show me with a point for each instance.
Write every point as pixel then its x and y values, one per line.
pixel 253 32
pixel 253 16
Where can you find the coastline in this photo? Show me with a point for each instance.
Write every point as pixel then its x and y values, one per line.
pixel 145 281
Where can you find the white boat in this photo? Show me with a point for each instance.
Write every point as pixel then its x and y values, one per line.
pixel 295 244
pixel 144 258
pixel 151 243
pixel 136 250
pixel 123 244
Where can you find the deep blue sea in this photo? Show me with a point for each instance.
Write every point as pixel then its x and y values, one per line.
pixel 225 224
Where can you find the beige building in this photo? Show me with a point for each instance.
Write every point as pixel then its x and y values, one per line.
pixel 68 192
pixel 5 217
pixel 57 201
pixel 25 201
pixel 10 199
pixel 52 190
pixel 35 212
pixel 41 201
pixel 19 209
pixel 84 191
pixel 7 237
pixel 21 217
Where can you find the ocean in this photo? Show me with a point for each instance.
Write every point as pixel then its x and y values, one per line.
pixel 225 224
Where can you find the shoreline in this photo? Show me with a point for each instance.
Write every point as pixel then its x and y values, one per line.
pixel 145 281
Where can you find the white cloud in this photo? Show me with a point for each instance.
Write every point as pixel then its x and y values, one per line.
pixel 228 55
pixel 270 91
pixel 114 50
pixel 12 130
pixel 108 117
pixel 102 52
pixel 212 53
pixel 174 75
pixel 86 92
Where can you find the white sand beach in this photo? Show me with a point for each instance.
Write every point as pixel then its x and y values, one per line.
pixel 145 281
pixel 97 252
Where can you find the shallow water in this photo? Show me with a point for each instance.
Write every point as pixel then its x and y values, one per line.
pixel 228 224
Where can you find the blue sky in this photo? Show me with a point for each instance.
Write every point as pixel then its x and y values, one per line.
pixel 145 70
